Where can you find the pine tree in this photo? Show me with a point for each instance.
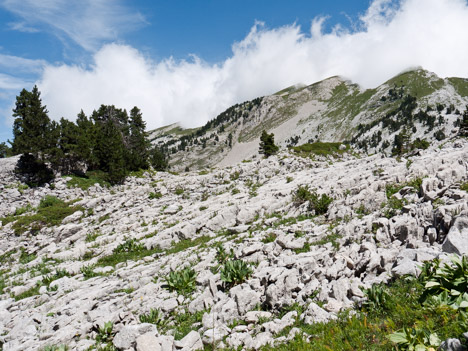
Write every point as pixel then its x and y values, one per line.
pixel 267 144
pixel 138 144
pixel 158 159
pixel 31 125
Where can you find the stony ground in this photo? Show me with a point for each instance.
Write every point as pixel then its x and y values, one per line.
pixel 110 260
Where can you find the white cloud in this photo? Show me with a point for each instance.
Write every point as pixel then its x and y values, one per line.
pixel 20 64
pixel 427 33
pixel 86 22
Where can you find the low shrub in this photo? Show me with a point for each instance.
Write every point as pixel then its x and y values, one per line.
pixel 316 203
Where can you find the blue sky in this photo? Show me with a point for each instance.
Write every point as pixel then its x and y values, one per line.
pixel 189 60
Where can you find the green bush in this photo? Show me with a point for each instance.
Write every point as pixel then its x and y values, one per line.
pixel 182 281
pixel 235 272
pixel 317 203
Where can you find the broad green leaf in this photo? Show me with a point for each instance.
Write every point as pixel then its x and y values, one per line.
pixel 397 337
pixel 431 284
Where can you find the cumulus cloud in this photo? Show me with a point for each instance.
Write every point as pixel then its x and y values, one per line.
pixel 391 37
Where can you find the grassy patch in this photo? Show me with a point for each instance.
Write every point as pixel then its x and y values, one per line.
pixel 28 293
pixel 51 211
pixel 464 186
pixel 369 329
pixel 186 322
pixel 416 83
pixel 187 243
pixel 124 256
pixel 319 148
pixel 88 180
pixel 460 85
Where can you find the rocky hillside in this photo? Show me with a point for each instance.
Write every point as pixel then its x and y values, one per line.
pixel 216 259
pixel 417 102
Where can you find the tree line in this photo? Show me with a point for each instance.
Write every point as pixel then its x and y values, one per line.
pixel 110 140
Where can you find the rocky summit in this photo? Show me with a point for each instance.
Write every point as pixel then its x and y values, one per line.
pixel 212 259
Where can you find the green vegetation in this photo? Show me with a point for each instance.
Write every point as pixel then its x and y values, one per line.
pixel 319 148
pixel 155 195
pixel 222 256
pixel 28 293
pixel 464 186
pixel 87 181
pixel 460 85
pixel 130 245
pixel 126 253
pixel 186 322
pixel 267 144
pixel 182 281
pixel 105 333
pixel 416 83
pixel 393 317
pixel 316 203
pixel 155 316
pixel 55 348
pixel 235 272
pixel 51 211
pixel 187 243
pixel 111 141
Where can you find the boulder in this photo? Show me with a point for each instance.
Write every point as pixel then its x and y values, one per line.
pixel 191 342
pixel 456 240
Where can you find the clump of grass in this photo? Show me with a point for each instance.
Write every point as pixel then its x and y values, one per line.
pixel 124 256
pixel 155 195
pixel 464 186
pixel 269 238
pixel 156 317
pixel 187 243
pixel 51 211
pixel 28 293
pixel 88 180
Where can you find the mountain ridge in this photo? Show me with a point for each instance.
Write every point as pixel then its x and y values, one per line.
pixel 330 110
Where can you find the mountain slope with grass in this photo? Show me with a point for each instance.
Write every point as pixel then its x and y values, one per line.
pixel 416 106
pixel 308 249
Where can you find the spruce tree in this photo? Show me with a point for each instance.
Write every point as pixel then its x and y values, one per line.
pixel 138 144
pixel 158 159
pixel 110 150
pixel 31 125
pixel 267 144
pixel 86 140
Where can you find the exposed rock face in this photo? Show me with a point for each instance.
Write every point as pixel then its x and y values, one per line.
pixel 84 272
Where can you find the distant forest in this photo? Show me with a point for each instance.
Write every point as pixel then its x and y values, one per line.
pixel 110 141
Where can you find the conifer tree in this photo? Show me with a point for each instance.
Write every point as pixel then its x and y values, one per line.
pixel 138 144
pixel 267 144
pixel 31 125
pixel 86 140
